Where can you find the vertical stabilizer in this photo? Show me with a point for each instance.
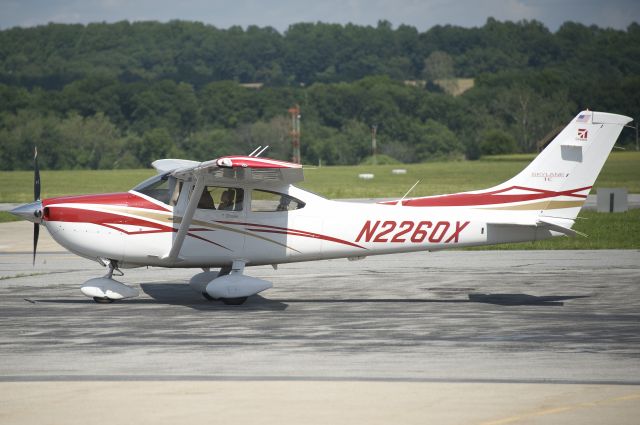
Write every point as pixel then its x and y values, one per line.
pixel 551 190
pixel 567 168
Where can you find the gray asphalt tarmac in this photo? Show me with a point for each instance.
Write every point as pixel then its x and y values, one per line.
pixel 489 316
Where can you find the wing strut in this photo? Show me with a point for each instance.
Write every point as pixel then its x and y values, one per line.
pixel 187 218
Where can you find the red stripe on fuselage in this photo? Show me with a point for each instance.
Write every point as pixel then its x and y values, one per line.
pixel 256 227
pixel 115 199
pixel 81 215
pixel 111 221
pixel 488 198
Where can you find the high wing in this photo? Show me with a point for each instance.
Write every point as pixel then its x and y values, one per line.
pixel 164 166
pixel 234 169
pixel 237 170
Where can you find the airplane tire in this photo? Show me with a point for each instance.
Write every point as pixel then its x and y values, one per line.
pixel 209 297
pixel 103 300
pixel 234 301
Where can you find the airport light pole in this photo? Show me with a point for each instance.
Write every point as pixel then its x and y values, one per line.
pixel 295 133
pixel 374 146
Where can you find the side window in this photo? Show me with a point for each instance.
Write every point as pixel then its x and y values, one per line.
pixel 265 201
pixel 221 198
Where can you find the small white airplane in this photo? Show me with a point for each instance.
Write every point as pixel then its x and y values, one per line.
pixel 239 211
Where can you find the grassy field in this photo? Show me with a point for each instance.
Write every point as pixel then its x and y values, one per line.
pixel 622 169
pixel 17 186
pixel 606 230
pixel 5 217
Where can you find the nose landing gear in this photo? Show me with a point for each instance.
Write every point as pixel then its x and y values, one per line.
pixel 105 289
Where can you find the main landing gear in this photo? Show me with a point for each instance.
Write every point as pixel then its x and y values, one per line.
pixel 228 285
pixel 105 289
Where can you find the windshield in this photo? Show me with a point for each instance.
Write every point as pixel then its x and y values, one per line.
pixel 159 187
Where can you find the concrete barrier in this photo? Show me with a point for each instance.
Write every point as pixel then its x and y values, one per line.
pixel 612 200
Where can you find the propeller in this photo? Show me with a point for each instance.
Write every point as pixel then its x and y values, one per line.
pixel 36 197
pixel 33 211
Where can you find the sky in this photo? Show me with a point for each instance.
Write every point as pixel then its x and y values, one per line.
pixel 422 14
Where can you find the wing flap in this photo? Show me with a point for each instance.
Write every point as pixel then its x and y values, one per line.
pixel 163 166
pixel 244 169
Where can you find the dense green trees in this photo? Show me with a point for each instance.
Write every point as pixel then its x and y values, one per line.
pixel 121 95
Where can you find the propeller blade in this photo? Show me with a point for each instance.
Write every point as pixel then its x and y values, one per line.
pixel 36 234
pixel 36 176
pixel 36 196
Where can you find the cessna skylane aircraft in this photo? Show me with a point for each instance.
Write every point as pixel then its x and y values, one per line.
pixel 239 211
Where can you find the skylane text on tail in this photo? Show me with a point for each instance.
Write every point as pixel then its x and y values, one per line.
pixel 240 211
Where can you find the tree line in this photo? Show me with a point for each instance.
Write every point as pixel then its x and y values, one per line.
pixel 121 95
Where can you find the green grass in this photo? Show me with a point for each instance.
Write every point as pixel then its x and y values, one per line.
pixel 622 169
pixel 17 186
pixel 615 231
pixel 605 231
pixel 5 217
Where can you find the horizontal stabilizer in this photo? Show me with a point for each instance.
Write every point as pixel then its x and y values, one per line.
pixel 560 229
pixel 542 224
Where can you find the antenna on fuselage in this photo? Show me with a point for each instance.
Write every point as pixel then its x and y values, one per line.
pixel 258 151
pixel 263 149
pixel 255 150
pixel 408 192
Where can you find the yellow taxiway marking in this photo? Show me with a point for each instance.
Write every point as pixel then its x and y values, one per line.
pixel 561 409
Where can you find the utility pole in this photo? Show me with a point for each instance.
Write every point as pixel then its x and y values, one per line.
pixel 294 113
pixel 374 146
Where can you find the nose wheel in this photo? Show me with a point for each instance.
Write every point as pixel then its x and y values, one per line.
pixel 105 290
pixel 113 267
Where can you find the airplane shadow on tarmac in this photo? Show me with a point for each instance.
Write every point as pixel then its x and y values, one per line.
pixel 182 294
pixel 498 299
pixel 176 294
pixel 170 293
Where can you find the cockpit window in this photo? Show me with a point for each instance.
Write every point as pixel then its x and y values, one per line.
pixel 163 188
pixel 267 201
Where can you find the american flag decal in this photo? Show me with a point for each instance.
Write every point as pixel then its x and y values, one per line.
pixel 583 133
pixel 583 118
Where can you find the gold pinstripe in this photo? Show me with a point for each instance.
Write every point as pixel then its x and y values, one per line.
pixel 545 205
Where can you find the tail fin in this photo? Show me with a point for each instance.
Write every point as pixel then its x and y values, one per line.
pixel 554 186
pixel 564 172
